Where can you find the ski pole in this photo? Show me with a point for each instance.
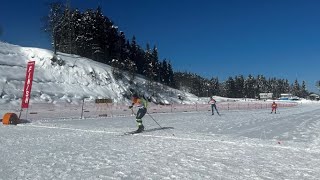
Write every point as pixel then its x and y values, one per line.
pixel 132 111
pixel 154 120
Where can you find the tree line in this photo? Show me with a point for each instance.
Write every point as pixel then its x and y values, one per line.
pixel 238 86
pixel 93 35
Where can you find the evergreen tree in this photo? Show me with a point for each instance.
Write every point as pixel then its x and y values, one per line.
pixel 77 32
pixel 88 39
pixel 272 87
pixel 78 39
pixel 155 64
pixel 149 65
pixel 304 92
pixel 249 87
pixel 53 22
pixel 112 42
pixel 99 42
pixel 230 88
pixel 137 56
pixel 296 88
pixel 261 84
pixel 171 81
pixel 239 86
pixel 286 86
pixel 223 89
pixel 64 36
pixel 123 48
pixel 214 87
pixel 188 82
pixel 164 73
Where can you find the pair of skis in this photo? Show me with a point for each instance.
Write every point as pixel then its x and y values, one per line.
pixel 217 113
pixel 132 132
pixel 148 130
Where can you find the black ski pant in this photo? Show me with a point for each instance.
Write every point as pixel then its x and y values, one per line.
pixel 141 112
pixel 213 106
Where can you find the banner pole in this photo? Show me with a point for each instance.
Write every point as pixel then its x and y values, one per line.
pixel 20 113
pixel 27 113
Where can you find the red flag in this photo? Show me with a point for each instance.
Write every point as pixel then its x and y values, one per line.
pixel 27 85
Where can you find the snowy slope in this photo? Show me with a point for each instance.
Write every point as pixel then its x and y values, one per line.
pixel 79 78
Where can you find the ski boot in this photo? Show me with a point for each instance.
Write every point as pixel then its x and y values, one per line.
pixel 140 128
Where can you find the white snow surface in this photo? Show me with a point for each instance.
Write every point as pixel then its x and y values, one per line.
pixel 245 142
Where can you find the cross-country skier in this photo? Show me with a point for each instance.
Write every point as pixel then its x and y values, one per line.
pixel 141 104
pixel 213 105
pixel 274 107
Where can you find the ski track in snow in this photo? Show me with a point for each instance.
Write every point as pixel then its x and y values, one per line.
pixel 237 145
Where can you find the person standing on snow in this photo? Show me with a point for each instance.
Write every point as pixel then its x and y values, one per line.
pixel 141 104
pixel 274 107
pixel 213 105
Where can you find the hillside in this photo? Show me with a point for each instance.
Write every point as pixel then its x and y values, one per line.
pixel 76 79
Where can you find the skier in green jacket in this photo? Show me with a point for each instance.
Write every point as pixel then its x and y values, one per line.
pixel 141 104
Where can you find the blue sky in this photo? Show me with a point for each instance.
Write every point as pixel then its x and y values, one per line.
pixel 275 38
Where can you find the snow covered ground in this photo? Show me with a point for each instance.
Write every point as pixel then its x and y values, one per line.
pixel 239 144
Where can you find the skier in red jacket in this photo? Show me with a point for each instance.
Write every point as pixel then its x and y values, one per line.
pixel 274 107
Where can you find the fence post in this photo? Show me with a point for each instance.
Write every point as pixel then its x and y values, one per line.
pixel 82 108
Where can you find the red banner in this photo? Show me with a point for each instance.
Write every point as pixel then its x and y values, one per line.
pixel 27 85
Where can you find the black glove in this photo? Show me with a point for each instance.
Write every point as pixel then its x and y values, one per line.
pixel 130 107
